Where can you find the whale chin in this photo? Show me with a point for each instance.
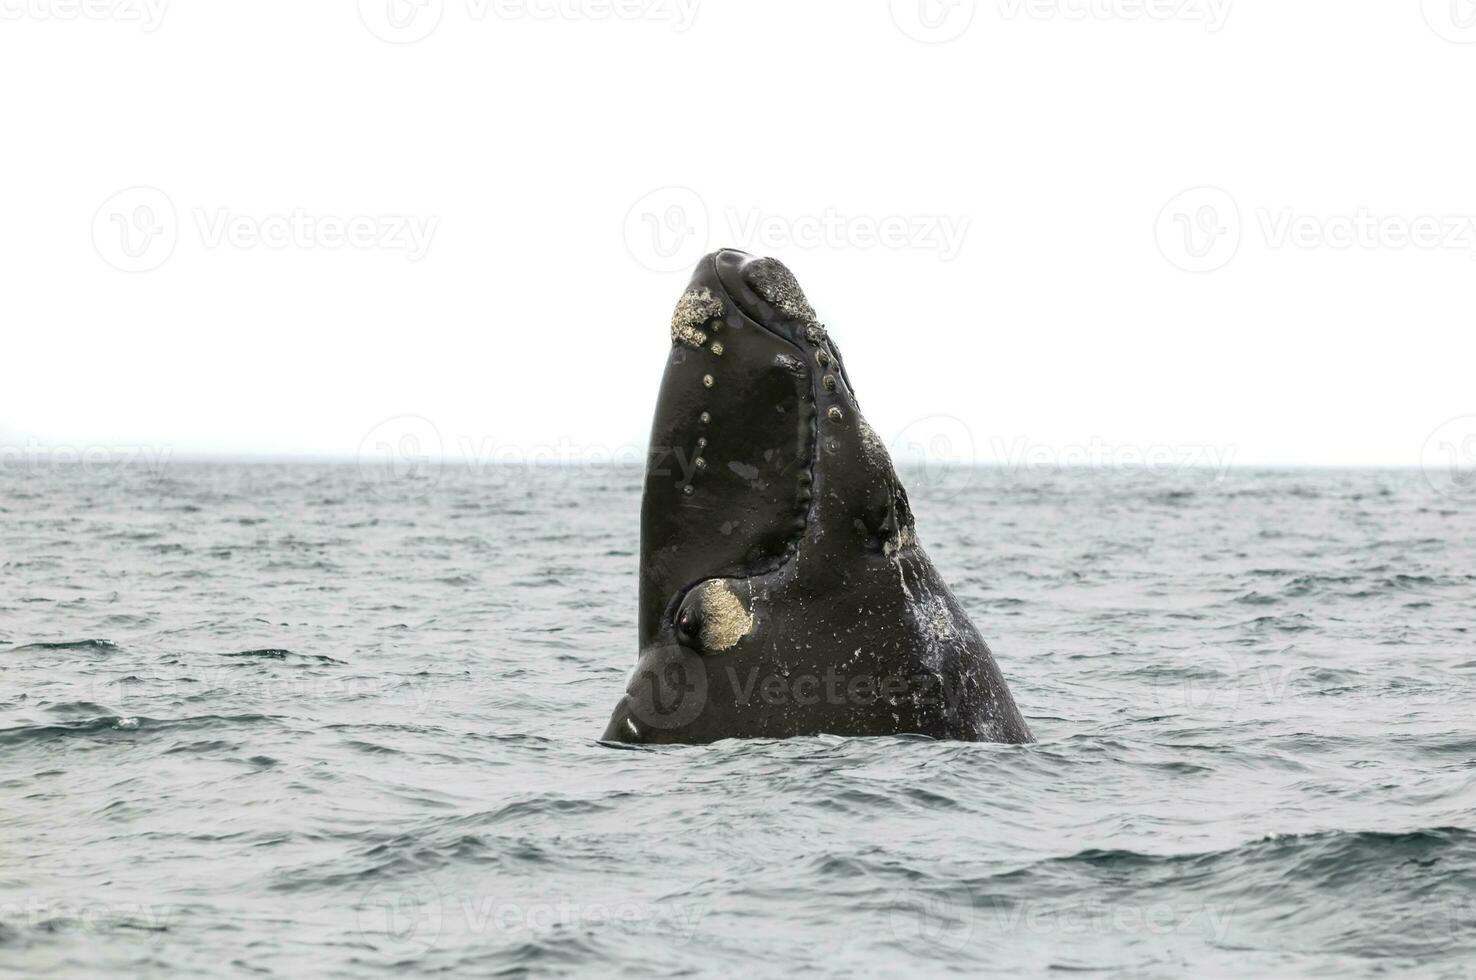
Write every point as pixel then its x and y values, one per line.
pixel 783 589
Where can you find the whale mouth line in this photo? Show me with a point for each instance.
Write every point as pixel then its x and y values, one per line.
pixel 796 540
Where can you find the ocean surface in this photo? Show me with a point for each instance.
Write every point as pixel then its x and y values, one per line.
pixel 304 720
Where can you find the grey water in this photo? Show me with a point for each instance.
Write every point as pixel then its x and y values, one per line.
pixel 302 720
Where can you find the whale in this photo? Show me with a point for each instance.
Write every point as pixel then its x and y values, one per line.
pixel 784 590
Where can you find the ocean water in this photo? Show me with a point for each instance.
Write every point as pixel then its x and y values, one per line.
pixel 288 719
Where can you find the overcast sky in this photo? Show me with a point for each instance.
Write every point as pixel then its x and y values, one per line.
pixel 1241 229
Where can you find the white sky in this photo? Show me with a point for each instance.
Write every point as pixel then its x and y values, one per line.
pixel 1049 139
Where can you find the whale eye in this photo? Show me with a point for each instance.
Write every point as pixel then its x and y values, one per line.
pixel 689 625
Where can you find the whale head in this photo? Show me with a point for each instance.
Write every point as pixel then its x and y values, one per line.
pixel 773 526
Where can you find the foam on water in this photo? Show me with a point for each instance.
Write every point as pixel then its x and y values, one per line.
pixel 278 718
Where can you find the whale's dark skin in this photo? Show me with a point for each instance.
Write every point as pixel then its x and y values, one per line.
pixel 782 588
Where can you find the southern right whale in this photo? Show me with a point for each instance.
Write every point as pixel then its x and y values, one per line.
pixel 783 588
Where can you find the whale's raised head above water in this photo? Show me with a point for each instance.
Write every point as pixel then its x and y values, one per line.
pixel 783 590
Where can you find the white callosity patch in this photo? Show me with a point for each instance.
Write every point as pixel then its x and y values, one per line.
pixel 906 537
pixel 775 283
pixel 725 620
pixel 871 445
pixel 696 307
